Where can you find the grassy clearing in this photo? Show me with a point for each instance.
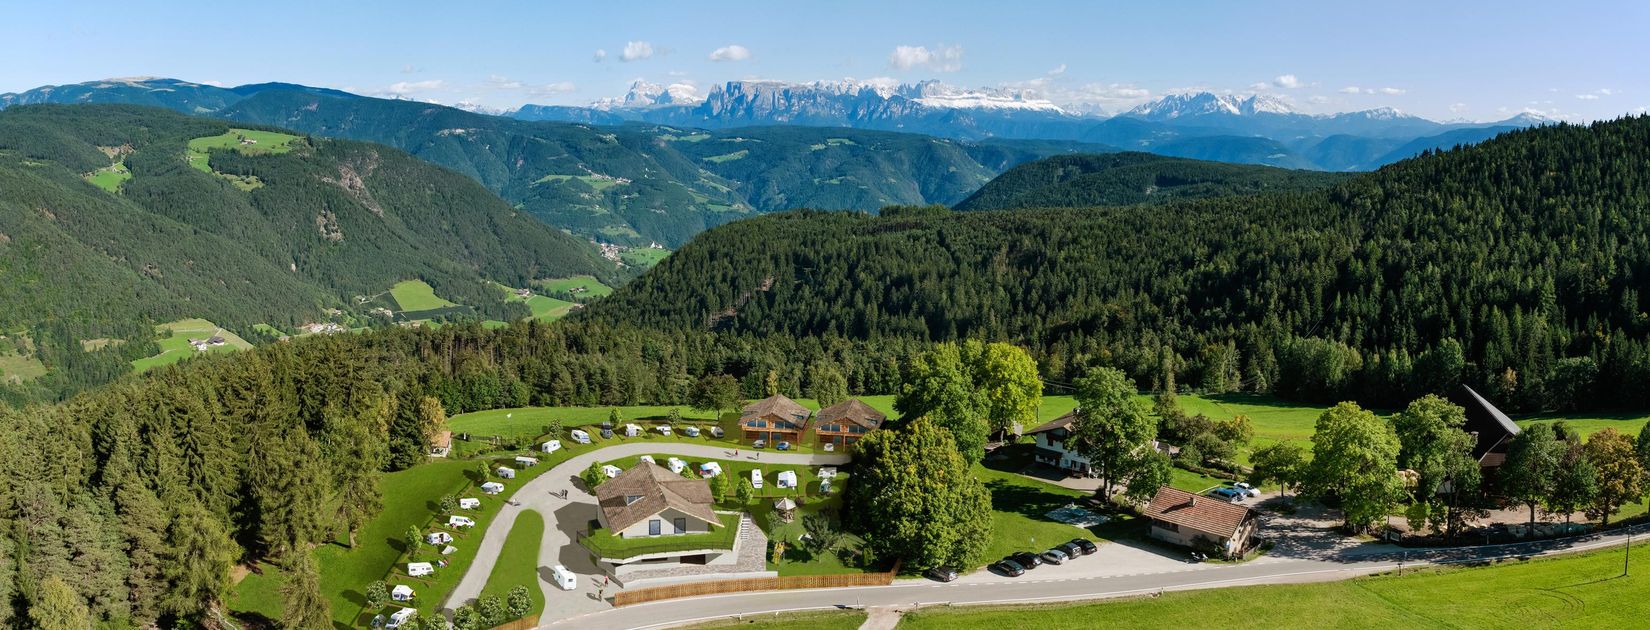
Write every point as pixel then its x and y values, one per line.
pixel 583 286
pixel 598 182
pixel 643 257
pixel 177 348
pixel 521 551
pixel 816 620
pixel 110 177
pixel 416 295
pixel 244 140
pixel 544 307
pixel 729 157
pixel 16 368
pixel 1018 506
pixel 692 137
pixel 1585 591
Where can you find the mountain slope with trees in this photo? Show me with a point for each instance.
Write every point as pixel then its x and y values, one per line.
pixel 1119 179
pixel 1512 265
pixel 241 239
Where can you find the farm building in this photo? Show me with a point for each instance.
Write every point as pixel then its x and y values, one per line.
pixel 1182 518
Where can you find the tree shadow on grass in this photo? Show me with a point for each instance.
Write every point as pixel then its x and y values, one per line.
pixel 1024 500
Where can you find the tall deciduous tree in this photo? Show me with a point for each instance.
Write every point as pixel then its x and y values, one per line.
pixel 1531 471
pixel 1007 375
pixel 939 385
pixel 716 393
pixel 913 498
pixel 58 606
pixel 826 384
pixel 1113 429
pixel 303 607
pixel 1577 482
pixel 1283 463
pixel 1620 477
pixel 1355 458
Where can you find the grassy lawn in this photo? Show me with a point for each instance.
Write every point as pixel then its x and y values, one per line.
pixel 1583 591
pixel 544 307
pixel 608 545
pixel 815 620
pixel 1018 505
pixel 729 157
pixel 1630 423
pixel 644 257
pixel 415 295
pixel 176 347
pixel 580 285
pixel 110 177
pixel 521 550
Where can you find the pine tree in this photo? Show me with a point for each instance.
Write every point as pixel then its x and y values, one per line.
pixel 303 605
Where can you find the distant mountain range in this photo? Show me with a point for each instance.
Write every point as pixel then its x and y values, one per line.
pixel 1257 129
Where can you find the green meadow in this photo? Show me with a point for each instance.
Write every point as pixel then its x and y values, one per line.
pixel 176 347
pixel 416 295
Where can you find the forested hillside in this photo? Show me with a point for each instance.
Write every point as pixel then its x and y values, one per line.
pixel 1513 265
pixel 638 184
pixel 113 219
pixel 1117 179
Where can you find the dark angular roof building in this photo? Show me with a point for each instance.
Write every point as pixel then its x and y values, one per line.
pixel 1493 429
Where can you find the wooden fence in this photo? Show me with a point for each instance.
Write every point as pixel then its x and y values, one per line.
pixel 713 587
pixel 525 623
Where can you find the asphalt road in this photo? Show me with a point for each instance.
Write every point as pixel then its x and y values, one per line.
pixel 564 517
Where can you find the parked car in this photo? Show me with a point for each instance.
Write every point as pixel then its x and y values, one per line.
pixel 759 444
pixel 1085 544
pixel 1227 494
pixel 607 433
pixel 1070 549
pixel 1055 556
pixel 1009 568
pixel 1027 559
pixel 942 574
pixel 1245 488
pixel 690 431
pixel 783 446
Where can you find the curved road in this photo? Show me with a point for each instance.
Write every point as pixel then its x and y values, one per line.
pixel 565 516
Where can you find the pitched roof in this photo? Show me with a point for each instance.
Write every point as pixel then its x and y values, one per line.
pixel 1062 422
pixel 851 410
pixel 777 406
pixel 1492 427
pixel 658 488
pixel 1204 514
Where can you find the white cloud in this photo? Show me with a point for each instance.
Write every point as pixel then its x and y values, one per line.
pixel 1457 108
pixel 410 69
pixel 214 83
pixel 731 52
pixel 599 55
pixel 503 83
pixel 559 87
pixel 1259 86
pixel 1317 99
pixel 636 51
pixel 1287 81
pixel 1596 94
pixel 1061 69
pixel 1352 89
pixel 1389 91
pixel 405 88
pixel 1587 97
pixel 942 59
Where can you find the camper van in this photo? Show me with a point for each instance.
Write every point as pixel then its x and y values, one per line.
pixel 710 469
pixel 631 430
pixel 437 538
pixel 580 436
pixel 491 487
pixel 690 431
pixel 756 479
pixel 400 617
pixel 460 521
pixel 664 429
pixel 401 593
pixel 551 446
pixel 526 462
pixel 564 578
pixel 787 479
pixel 506 472
pixel 648 459
pixel 469 503
pixel 611 471
pixel 676 465
pixel 420 569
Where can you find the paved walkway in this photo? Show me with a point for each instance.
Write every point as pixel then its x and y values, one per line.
pixel 565 517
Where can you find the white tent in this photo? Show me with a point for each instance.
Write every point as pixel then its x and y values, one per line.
pixel 787 479
pixel 468 503
pixel 526 462
pixel 756 479
pixel 710 469
pixel 506 472
pixel 648 459
pixel 401 593
pixel 631 430
pixel 676 465
pixel 492 487
pixel 551 446
pixel 400 617
pixel 611 471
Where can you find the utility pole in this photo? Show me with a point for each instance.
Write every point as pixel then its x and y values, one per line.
pixel 1625 560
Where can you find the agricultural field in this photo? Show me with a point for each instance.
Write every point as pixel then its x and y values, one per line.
pixel 598 182
pixel 16 368
pixel 582 286
pixel 643 257
pixel 176 347
pixel 416 295
pixel 728 157
pixel 544 307
pixel 245 141
pixel 1584 591
pixel 110 177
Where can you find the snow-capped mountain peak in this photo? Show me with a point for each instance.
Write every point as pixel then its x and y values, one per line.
pixel 644 94
pixel 1190 104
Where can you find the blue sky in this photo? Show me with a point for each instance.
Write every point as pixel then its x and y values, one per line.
pixel 1443 60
